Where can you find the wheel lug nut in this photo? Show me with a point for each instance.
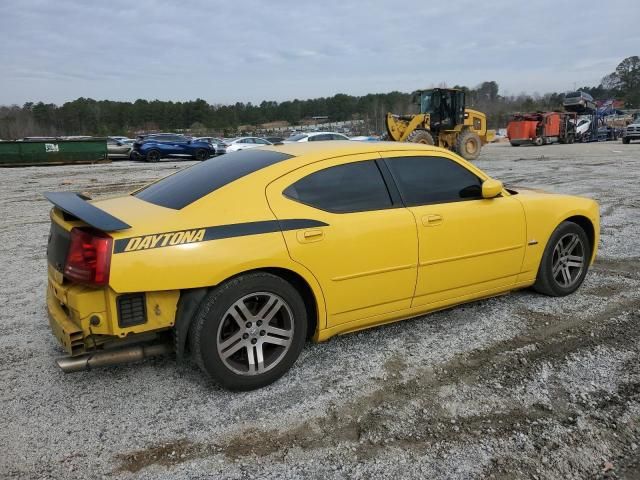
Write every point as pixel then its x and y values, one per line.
pixel 245 336
pixel 259 322
pixel 254 341
pixel 248 325
pixel 262 332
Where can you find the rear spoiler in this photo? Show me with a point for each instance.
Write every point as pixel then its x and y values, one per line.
pixel 76 204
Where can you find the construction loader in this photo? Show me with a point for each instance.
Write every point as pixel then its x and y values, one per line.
pixel 443 121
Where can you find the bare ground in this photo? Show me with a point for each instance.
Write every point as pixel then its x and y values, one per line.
pixel 519 386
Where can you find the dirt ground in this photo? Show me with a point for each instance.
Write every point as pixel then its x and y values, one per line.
pixel 519 386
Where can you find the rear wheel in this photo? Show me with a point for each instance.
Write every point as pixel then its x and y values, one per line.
pixel 420 136
pixel 514 144
pixel 468 145
pixel 201 154
pixel 153 156
pixel 565 261
pixel 538 141
pixel 249 331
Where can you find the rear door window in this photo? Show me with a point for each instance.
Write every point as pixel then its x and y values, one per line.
pixel 352 187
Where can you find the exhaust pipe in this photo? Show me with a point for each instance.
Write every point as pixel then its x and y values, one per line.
pixel 107 358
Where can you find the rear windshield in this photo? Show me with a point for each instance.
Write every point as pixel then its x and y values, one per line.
pixel 188 185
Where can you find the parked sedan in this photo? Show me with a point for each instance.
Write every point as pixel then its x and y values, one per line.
pixel 218 144
pixel 315 137
pixel 119 147
pixel 152 148
pixel 242 143
pixel 239 259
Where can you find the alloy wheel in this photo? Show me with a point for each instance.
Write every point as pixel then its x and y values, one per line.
pixel 568 260
pixel 255 333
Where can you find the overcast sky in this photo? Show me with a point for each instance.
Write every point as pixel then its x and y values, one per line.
pixel 251 50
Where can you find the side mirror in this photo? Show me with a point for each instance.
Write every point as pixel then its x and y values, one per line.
pixel 491 188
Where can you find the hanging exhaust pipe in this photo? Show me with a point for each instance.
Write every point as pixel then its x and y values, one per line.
pixel 106 358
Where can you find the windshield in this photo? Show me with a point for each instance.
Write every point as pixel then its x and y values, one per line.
pixel 425 103
pixel 297 138
pixel 573 95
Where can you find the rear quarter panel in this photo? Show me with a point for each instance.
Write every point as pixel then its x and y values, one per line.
pixel 203 263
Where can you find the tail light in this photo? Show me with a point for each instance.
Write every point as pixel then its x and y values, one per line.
pixel 89 257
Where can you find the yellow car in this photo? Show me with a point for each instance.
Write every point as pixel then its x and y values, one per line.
pixel 241 258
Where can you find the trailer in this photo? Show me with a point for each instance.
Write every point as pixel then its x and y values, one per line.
pixel 541 128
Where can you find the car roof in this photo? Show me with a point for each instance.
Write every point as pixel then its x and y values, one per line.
pixel 336 148
pixel 324 133
pixel 259 166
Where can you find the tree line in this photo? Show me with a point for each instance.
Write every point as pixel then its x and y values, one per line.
pixel 86 116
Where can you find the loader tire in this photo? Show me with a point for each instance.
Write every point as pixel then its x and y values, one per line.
pixel 420 136
pixel 468 145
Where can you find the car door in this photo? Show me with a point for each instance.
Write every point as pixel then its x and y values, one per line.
pixel 360 243
pixel 180 145
pixel 467 245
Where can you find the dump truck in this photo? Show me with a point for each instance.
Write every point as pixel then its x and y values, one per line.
pixel 444 121
pixel 541 128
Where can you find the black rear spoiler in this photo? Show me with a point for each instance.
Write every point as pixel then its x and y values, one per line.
pixel 76 204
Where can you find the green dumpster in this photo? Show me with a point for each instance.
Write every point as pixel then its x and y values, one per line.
pixel 52 152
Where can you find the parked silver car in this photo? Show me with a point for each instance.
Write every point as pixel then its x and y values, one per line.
pixel 242 143
pixel 217 143
pixel 119 148
pixel 315 137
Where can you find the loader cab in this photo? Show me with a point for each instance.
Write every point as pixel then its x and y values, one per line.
pixel 444 106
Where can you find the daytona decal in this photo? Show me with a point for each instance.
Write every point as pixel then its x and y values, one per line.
pixel 195 235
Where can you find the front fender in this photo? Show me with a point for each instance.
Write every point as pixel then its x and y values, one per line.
pixel 543 213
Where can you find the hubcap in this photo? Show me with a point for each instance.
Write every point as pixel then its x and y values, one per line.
pixel 255 333
pixel 568 260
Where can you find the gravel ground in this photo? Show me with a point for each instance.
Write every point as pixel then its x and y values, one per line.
pixel 519 386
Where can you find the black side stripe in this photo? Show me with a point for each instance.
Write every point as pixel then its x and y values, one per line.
pixel 205 234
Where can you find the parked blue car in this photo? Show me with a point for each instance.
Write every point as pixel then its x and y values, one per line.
pixel 152 148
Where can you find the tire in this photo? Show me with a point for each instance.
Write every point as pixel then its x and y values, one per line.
pixel 420 136
pixel 201 155
pixel 538 141
pixel 567 241
pixel 219 328
pixel 626 140
pixel 514 144
pixel 571 139
pixel 153 156
pixel 468 145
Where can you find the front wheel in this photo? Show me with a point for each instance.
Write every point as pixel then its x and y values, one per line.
pixel 153 156
pixel 201 154
pixel 249 331
pixel 420 136
pixel 565 261
pixel 626 140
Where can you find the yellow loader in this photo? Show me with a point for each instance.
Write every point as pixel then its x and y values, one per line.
pixel 443 121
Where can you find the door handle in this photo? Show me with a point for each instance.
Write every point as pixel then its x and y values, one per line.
pixel 431 220
pixel 308 236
